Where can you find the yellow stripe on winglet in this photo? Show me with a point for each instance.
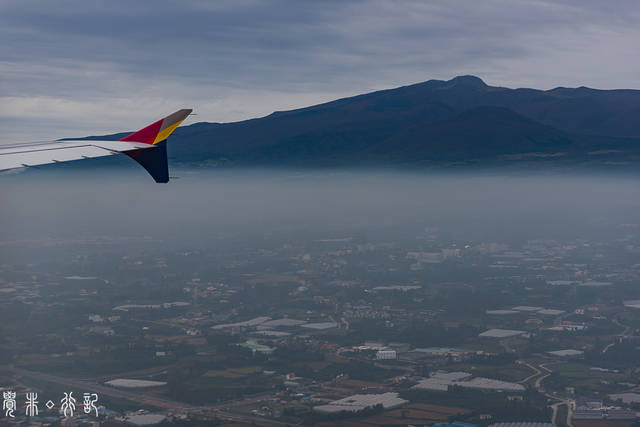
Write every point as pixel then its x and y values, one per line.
pixel 166 132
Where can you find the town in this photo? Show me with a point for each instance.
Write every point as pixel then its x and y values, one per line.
pixel 422 328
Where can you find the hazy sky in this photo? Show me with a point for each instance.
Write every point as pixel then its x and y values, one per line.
pixel 67 202
pixel 77 67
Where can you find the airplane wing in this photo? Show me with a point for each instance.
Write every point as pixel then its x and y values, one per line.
pixel 148 147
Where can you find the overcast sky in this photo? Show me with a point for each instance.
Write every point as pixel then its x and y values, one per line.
pixel 77 67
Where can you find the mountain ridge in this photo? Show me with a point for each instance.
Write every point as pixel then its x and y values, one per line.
pixel 432 122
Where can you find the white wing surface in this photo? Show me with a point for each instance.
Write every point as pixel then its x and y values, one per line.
pixel 148 147
pixel 34 154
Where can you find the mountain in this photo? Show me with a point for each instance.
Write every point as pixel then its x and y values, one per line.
pixel 462 120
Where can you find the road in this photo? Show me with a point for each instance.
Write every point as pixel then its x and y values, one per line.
pixel 554 417
pixel 530 366
pixel 570 404
pixel 625 333
pixel 541 371
pixel 538 383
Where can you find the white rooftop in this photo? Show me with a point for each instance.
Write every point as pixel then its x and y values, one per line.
pixel 145 419
pixel 626 397
pixel 526 308
pixel 396 288
pixel 502 312
pixel 568 352
pixel 358 402
pixel 561 282
pixel 436 384
pixel 595 284
pixel 522 424
pixel 283 322
pixel 451 376
pixel 566 328
pixel 632 303
pixel 442 381
pixel 247 323
pixel 270 333
pixel 321 325
pixel 491 384
pixel 551 312
pixel 128 307
pixel 125 383
pixel 501 333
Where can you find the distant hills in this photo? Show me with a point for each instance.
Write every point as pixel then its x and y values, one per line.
pixel 437 123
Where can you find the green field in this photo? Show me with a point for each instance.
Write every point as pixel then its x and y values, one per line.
pixel 580 376
pixel 511 372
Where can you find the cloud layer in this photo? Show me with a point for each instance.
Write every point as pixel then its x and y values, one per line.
pixel 74 67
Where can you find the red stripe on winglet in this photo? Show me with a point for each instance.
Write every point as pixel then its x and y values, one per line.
pixel 146 135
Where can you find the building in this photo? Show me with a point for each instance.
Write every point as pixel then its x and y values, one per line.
pixel 522 424
pixel 359 402
pixel 145 419
pixel 620 414
pixel 455 424
pixel 442 381
pixel 566 353
pixel 386 355
pixel 595 410
pixel 501 333
pixel 626 397
pixel 613 414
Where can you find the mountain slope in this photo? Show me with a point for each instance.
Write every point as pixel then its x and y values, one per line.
pixel 476 134
pixel 460 120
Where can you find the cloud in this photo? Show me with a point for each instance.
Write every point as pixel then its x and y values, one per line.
pixel 94 66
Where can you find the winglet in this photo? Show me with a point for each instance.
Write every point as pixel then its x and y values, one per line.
pixel 154 159
pixel 160 130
